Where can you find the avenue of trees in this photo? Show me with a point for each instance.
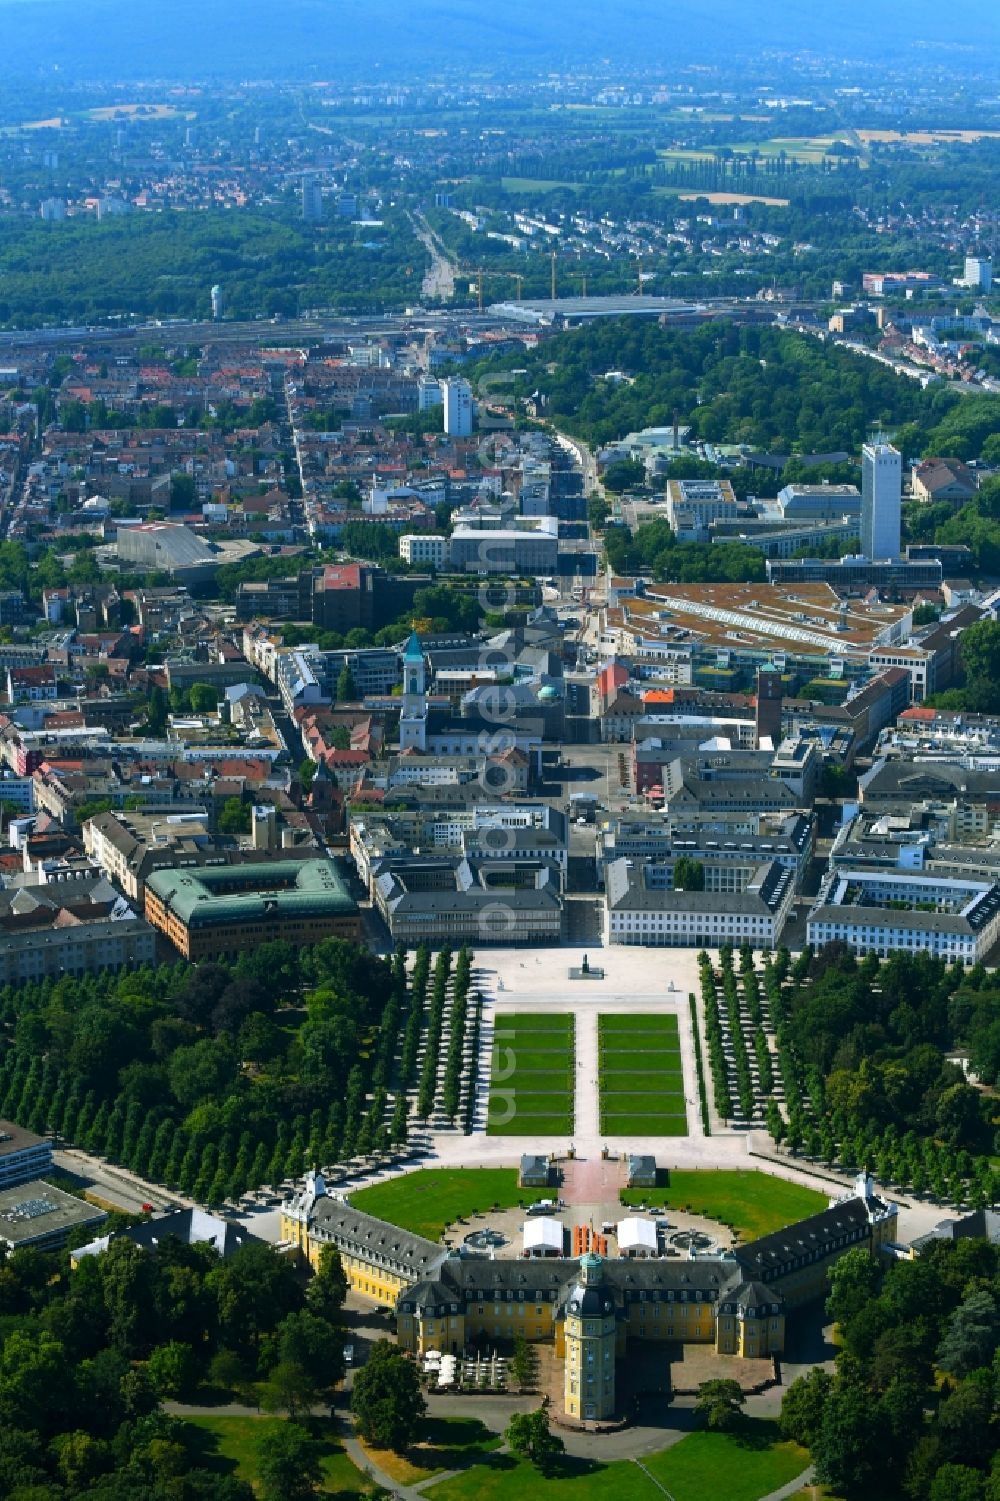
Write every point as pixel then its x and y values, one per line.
pixel 863 1050
pixel 216 1079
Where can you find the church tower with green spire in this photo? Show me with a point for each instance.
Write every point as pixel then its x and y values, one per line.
pixel 413 717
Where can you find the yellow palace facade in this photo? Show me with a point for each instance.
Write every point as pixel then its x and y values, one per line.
pixel 589 1307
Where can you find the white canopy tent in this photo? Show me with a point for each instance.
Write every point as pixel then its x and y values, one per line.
pixel 543 1236
pixel 637 1237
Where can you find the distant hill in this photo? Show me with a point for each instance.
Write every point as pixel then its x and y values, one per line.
pixel 365 38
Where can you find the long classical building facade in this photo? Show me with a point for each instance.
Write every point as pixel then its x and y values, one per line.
pixel 589 1306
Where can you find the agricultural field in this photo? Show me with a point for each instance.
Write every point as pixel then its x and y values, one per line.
pixel 142 111
pixel 749 1203
pixel 640 1079
pixel 536 184
pixel 430 1200
pixel 532 1075
pixel 724 198
pixel 925 137
pixel 805 149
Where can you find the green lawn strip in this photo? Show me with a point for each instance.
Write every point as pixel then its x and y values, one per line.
pixel 636 1049
pixel 701 1467
pixel 625 1102
pixel 539 1035
pixel 530 1104
pixel 641 1121
pixel 635 1124
pixel 631 1021
pixel 751 1202
pixel 646 1078
pixel 228 1445
pixel 502 1478
pixel 647 1061
pixel 536 1021
pixel 549 1121
pixel 635 1042
pixel 628 1043
pixel 739 1467
pixel 650 1056
pixel 637 1111
pixel 529 1089
pixel 530 1056
pixel 522 1053
pixel 523 1088
pixel 432 1198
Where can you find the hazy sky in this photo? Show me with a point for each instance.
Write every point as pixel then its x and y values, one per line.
pixel 154 37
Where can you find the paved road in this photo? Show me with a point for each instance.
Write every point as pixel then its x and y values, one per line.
pixel 793 1488
pixel 587 1122
pixel 116 1185
pixel 439 278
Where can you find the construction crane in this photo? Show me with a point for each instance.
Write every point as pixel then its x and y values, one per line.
pixel 479 272
pixel 514 276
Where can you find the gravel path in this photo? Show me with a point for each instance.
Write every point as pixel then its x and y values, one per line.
pixel 587 1127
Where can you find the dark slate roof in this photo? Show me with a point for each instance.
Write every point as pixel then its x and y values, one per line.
pixel 753 1298
pixel 816 1235
pixel 464 1278
pixel 591 1301
pixel 382 1243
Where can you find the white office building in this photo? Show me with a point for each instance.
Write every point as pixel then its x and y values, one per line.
pixel 417 547
pixel 458 412
pixel 639 913
pixel 881 491
pixel 978 273
pixel 891 911
pixel 429 393
pixel 506 549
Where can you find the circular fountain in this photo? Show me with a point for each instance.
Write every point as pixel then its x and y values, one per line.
pixel 485 1240
pixel 691 1240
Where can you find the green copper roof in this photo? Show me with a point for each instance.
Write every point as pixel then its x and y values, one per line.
pixel 196 896
pixel 413 652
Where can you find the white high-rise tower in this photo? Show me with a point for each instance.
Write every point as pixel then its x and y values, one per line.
pixel 881 490
pixel 457 396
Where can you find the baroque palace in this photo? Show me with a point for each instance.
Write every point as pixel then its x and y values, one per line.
pixel 589 1306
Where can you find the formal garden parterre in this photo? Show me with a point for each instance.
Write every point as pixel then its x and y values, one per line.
pixel 640 1077
pixel 533 1075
